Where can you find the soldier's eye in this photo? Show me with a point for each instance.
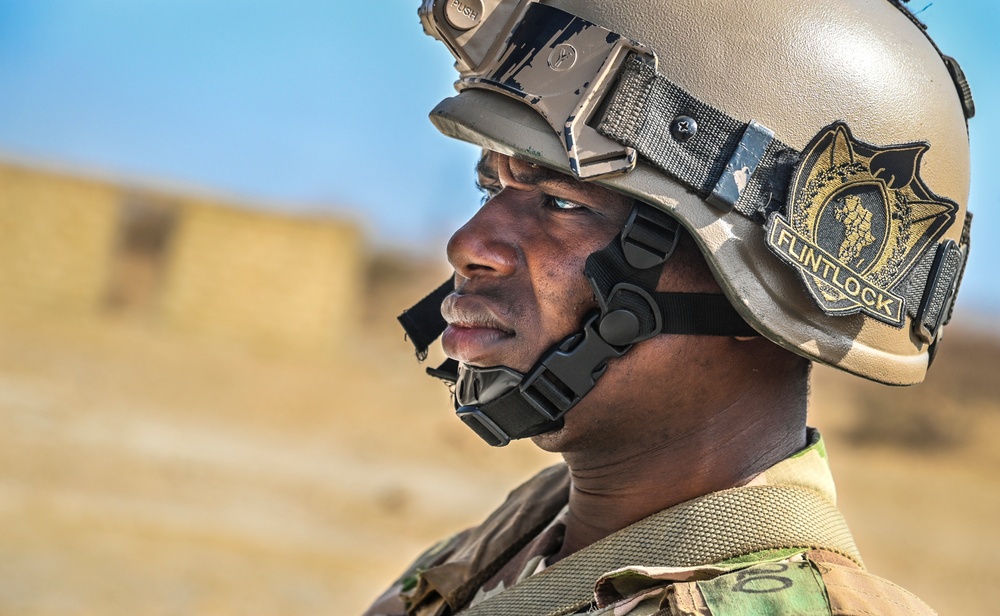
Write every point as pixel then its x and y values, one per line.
pixel 562 204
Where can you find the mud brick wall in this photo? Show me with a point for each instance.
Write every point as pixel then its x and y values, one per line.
pixel 56 238
pixel 78 247
pixel 273 279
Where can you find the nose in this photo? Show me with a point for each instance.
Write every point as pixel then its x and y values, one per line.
pixel 482 247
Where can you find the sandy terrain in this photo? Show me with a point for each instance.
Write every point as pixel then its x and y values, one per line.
pixel 143 472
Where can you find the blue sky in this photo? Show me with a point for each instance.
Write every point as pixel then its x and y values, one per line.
pixel 321 105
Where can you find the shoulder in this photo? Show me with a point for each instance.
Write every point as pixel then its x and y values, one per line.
pixel 392 602
pixel 852 590
pixel 447 569
pixel 815 583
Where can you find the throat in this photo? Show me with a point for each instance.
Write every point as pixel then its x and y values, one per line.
pixel 606 498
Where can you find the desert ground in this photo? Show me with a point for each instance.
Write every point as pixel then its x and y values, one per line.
pixel 158 473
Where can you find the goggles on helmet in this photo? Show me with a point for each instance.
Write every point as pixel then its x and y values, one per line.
pixel 583 79
pixel 556 62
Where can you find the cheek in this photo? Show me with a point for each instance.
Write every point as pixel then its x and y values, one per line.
pixel 564 295
pixel 555 253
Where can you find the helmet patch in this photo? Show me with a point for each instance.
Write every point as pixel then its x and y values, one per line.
pixel 859 217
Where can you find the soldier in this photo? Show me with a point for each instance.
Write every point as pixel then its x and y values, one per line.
pixel 686 203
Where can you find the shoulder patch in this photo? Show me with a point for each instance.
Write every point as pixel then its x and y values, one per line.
pixel 859 217
pixel 773 588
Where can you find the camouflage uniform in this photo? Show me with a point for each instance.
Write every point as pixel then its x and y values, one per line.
pixel 794 581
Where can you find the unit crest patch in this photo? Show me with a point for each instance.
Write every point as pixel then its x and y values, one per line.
pixel 859 217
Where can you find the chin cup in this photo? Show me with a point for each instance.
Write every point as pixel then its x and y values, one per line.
pixel 501 404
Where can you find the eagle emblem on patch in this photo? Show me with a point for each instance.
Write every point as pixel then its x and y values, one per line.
pixel 859 217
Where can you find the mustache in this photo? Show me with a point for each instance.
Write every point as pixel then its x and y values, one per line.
pixel 474 311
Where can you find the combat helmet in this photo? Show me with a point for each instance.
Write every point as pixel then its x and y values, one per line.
pixel 817 152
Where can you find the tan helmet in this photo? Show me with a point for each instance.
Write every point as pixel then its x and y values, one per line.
pixel 816 151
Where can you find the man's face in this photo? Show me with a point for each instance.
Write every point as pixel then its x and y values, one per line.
pixel 520 288
pixel 519 283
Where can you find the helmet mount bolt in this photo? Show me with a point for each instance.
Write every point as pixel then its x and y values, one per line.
pixel 683 128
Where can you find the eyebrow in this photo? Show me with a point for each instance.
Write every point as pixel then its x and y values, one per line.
pixel 485 170
pixel 559 180
pixel 540 176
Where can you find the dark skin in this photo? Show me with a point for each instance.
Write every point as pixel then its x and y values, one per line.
pixel 676 417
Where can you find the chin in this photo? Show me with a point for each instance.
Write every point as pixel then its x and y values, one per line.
pixel 568 438
pixel 549 441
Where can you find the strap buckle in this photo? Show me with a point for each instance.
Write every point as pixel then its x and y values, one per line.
pixel 486 428
pixel 649 237
pixel 568 372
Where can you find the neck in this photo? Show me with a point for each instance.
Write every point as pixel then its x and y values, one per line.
pixel 614 486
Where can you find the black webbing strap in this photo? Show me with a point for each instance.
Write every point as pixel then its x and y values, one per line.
pixel 624 274
pixel 644 110
pixel 702 314
pixel 423 322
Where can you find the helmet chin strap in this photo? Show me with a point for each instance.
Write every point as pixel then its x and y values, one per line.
pixel 501 404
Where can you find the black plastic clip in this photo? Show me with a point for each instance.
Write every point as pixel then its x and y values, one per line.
pixel 447 371
pixel 620 324
pixel 649 237
pixel 569 371
pixel 486 428
pixel 934 303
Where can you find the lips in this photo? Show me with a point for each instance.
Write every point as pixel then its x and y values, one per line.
pixel 475 334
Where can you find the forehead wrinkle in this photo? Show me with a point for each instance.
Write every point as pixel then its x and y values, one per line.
pixel 549 179
pixel 524 172
pixel 535 175
pixel 489 165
